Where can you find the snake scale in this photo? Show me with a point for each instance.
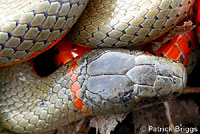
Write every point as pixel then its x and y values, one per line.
pixel 105 80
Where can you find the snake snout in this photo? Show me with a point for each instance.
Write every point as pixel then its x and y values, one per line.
pixel 157 79
pixel 118 85
pixel 171 78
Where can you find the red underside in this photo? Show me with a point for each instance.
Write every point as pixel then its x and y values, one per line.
pixel 198 18
pixel 179 48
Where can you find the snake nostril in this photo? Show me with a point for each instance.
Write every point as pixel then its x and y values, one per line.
pixel 126 97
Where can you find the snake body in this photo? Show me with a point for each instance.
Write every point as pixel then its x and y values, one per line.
pixel 36 25
pixel 198 20
pixel 28 27
pixel 124 23
pixel 104 81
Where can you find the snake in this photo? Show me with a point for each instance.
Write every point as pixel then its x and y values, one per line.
pixel 198 20
pixel 100 81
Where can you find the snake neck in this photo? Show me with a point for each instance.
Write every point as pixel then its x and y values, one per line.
pixel 32 104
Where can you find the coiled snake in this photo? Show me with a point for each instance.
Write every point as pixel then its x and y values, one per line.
pixel 104 80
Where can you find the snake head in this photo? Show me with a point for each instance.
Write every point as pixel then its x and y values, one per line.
pixel 102 81
pixel 120 81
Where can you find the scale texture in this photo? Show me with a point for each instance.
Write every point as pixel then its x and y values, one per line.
pixel 124 23
pixel 32 104
pixel 34 25
pixel 104 81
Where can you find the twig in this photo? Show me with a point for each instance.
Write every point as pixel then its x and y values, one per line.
pixel 169 117
pixel 191 90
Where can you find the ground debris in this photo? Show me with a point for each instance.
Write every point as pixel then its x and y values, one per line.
pixel 106 123
pixel 177 30
pixel 182 113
